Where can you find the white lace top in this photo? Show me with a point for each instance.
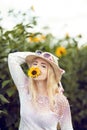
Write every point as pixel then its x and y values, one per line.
pixel 42 118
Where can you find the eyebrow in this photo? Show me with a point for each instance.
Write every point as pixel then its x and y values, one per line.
pixel 43 63
pixel 35 62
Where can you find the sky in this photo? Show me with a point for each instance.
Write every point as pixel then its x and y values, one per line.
pixel 62 16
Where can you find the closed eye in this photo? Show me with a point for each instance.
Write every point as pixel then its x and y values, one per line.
pixel 43 66
pixel 34 63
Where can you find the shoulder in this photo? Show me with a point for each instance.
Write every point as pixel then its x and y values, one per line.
pixel 61 99
pixel 61 103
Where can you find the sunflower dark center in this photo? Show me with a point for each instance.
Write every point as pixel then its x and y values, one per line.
pixel 61 52
pixel 34 72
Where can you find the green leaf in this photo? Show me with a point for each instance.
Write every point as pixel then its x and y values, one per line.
pixel 4 112
pixel 11 91
pixel 3 99
pixel 5 83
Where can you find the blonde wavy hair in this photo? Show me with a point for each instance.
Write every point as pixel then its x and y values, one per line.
pixel 52 86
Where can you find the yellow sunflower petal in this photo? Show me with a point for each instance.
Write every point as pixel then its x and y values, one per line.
pixel 60 51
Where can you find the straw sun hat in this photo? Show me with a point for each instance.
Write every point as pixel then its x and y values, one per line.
pixel 48 57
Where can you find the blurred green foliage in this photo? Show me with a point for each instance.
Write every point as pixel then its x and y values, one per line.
pixel 74 62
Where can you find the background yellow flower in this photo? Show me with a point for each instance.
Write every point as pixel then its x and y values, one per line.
pixel 32 8
pixel 60 51
pixel 36 38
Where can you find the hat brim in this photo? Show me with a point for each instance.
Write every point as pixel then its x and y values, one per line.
pixel 57 70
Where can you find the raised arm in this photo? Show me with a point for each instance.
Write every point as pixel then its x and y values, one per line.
pixel 14 62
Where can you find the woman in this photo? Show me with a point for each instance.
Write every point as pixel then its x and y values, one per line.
pixel 42 103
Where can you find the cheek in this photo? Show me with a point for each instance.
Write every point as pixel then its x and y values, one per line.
pixel 44 73
pixel 43 76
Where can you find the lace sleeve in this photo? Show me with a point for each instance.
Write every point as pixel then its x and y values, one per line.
pixel 66 121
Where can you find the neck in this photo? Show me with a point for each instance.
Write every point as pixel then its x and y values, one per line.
pixel 41 87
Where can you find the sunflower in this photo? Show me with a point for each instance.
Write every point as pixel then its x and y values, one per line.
pixel 34 72
pixel 36 38
pixel 60 51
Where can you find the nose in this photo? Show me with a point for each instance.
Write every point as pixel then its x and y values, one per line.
pixel 39 66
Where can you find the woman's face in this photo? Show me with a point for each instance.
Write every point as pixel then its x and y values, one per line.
pixel 43 66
